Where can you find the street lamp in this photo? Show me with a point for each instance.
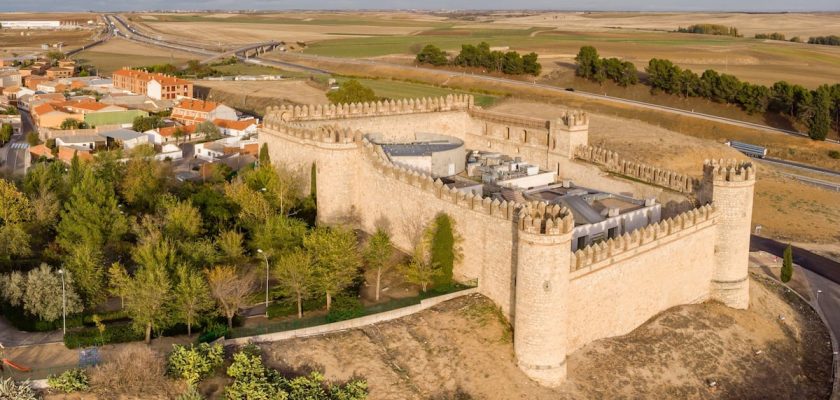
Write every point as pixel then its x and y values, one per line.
pixel 266 280
pixel 818 297
pixel 63 303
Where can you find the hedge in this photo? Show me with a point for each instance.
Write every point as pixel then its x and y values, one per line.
pixel 86 337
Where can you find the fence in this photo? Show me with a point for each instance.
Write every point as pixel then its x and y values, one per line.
pixel 319 324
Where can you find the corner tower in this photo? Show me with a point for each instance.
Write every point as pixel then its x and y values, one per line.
pixel 569 132
pixel 542 287
pixel 729 186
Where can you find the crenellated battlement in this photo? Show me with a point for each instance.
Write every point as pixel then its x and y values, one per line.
pixel 508 119
pixel 324 134
pixel 574 120
pixel 729 170
pixel 596 253
pixel 643 172
pixel 546 219
pixel 370 109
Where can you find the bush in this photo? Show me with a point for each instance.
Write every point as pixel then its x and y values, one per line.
pixel 133 369
pixel 213 331
pixel 11 390
pixel 190 394
pixel 87 337
pixel 194 363
pixel 834 154
pixel 74 380
pixel 344 308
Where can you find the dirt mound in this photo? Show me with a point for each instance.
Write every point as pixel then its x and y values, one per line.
pixel 463 349
pixel 254 96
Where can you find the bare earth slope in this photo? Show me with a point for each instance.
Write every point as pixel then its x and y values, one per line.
pixel 462 349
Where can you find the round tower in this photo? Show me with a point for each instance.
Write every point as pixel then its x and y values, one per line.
pixel 542 281
pixel 729 185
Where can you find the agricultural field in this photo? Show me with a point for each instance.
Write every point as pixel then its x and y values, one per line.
pixel 393 89
pixel 118 53
pixel 20 43
pixel 636 37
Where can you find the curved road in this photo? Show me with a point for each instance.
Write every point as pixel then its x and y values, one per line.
pixel 823 266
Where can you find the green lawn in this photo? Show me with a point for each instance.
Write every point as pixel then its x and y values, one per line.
pixel 403 90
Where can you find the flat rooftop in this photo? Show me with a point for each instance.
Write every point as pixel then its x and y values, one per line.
pixel 417 149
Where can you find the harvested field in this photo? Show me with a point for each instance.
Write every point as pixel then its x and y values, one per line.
pixel 787 209
pixel 118 53
pixel 462 349
pixel 748 24
pixel 16 42
pixel 255 96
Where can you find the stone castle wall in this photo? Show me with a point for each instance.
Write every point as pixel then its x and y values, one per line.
pixel 520 252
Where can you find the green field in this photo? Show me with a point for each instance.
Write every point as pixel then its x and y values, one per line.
pixel 403 90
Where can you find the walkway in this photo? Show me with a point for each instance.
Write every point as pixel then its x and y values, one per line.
pixel 11 337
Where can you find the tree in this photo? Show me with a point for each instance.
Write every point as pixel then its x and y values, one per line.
pixel 43 298
pixel 13 287
pixel 209 130
pixel 588 62
pixel 72 123
pixel 820 122
pixel 15 211
pixel 191 296
pixel 420 270
pixel 181 220
pixel 443 244
pixel 118 281
pixel 148 299
pixel 296 277
pixel 531 65
pixel 663 75
pixel 351 92
pixel 143 124
pixel 85 263
pixel 265 159
pixel 91 216
pixel 230 289
pixel 335 258
pixel 55 55
pixel 230 244
pixel 377 255
pixel 277 184
pixel 433 55
pixel 33 139
pixel 254 209
pixel 279 235
pixel 787 264
pixel 6 132
pixel 144 181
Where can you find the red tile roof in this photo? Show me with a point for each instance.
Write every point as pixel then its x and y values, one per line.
pixel 170 130
pixel 237 125
pixel 196 105
pixel 41 151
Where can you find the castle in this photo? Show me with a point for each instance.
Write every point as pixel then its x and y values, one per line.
pixel 521 253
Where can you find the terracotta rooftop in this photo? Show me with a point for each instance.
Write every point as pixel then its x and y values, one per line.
pixel 41 150
pixel 197 105
pixel 162 78
pixel 237 125
pixel 170 130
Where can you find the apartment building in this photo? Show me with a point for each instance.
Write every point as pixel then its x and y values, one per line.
pixel 156 86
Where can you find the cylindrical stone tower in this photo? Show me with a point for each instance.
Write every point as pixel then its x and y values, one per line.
pixel 729 186
pixel 542 281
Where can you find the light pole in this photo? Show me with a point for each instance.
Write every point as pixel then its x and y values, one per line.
pixel 63 303
pixel 818 297
pixel 266 280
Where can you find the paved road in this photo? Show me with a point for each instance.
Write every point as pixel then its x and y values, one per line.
pixel 823 266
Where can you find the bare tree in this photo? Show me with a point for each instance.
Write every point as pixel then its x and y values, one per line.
pixel 230 289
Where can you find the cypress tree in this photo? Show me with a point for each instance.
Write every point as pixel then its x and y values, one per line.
pixel 443 249
pixel 820 121
pixel 787 265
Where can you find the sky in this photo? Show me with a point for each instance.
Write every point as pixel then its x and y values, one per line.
pixel 593 5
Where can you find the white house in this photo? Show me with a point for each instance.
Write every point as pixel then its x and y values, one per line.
pixel 171 152
pixel 245 127
pixel 126 138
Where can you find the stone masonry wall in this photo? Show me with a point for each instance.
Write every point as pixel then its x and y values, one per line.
pixel 612 287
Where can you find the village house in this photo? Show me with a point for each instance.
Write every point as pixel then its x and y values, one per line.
pixel 192 111
pixel 81 142
pixel 58 72
pixel 245 127
pixel 9 77
pixel 125 138
pixel 51 115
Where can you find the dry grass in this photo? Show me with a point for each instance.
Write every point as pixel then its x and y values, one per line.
pixel 255 96
pixel 134 370
pixel 460 347
pixel 23 42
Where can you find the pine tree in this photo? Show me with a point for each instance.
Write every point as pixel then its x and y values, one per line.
pixel 820 121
